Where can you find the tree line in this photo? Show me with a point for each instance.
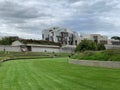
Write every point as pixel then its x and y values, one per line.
pixel 10 40
pixel 89 45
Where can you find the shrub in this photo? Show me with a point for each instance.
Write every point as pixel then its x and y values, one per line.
pixel 89 45
pixel 43 42
pixel 100 46
pixel 86 45
pixel 108 55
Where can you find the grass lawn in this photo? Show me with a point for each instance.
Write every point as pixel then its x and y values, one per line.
pixel 56 74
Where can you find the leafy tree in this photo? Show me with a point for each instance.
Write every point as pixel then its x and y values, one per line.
pixel 7 40
pixel 100 46
pixel 89 45
pixel 115 37
pixel 86 45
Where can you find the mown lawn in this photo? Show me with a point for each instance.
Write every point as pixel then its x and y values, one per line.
pixel 56 74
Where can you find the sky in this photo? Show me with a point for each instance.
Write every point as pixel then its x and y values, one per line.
pixel 27 18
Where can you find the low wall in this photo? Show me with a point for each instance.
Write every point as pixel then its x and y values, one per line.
pixel 108 64
pixel 35 49
pixel 43 49
pixel 10 48
pixel 112 47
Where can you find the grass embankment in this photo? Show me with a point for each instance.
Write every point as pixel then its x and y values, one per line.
pixel 29 55
pixel 108 55
pixel 56 74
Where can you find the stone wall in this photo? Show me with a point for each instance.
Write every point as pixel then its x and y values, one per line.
pixel 35 49
pixel 44 49
pixel 10 48
pixel 112 47
pixel 107 64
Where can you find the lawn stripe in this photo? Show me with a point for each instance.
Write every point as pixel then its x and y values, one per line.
pixel 56 74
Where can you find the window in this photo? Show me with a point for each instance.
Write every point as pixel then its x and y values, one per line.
pixel 42 36
pixel 75 42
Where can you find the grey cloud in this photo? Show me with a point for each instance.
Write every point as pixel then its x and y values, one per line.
pixel 87 19
pixel 18 13
pixel 73 1
pixel 18 16
pixel 31 16
pixel 14 10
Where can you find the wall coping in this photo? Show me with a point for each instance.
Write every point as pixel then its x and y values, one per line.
pixel 107 64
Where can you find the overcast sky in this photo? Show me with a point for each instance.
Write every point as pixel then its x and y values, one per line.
pixel 27 18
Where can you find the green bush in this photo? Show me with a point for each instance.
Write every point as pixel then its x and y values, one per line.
pixel 108 55
pixel 42 42
pixel 86 45
pixel 100 46
pixel 7 40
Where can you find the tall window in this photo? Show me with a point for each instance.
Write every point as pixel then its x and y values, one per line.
pixel 95 39
pixel 75 42
pixel 42 36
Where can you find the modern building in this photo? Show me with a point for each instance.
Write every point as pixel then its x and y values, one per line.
pixel 60 35
pixel 113 42
pixel 68 37
pixel 0 38
pixel 97 38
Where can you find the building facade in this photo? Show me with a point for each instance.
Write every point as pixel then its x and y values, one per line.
pixel 113 42
pixel 97 38
pixel 60 35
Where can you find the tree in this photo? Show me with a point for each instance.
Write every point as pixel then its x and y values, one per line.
pixel 115 37
pixel 100 46
pixel 89 45
pixel 86 45
pixel 7 40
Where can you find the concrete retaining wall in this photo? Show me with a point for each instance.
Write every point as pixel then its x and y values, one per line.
pixel 35 49
pixel 107 64
pixel 112 47
pixel 43 49
pixel 10 48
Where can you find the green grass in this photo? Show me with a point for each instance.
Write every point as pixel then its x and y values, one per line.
pixel 56 74
pixel 107 55
pixel 29 55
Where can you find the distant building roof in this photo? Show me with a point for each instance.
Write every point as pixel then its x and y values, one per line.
pixel 39 45
pixel 17 43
